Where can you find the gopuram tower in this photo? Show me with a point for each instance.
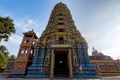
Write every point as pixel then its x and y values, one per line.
pixel 61 51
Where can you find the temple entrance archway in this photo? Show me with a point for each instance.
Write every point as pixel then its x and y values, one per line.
pixel 61 66
pixel 61 63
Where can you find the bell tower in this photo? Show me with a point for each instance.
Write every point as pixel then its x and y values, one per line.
pixel 25 54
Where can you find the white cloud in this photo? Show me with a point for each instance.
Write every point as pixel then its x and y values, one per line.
pixel 26 24
pixel 21 25
pixel 102 30
pixel 15 39
pixel 13 44
pixel 38 34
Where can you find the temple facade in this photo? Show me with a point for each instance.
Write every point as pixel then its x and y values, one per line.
pixel 60 51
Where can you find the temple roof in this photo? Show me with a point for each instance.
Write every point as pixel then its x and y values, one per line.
pixel 61 27
pixel 30 33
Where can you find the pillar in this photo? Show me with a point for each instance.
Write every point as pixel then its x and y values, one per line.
pixel 70 64
pixel 52 65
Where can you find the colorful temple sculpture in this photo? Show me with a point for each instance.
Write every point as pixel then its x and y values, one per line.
pixel 61 51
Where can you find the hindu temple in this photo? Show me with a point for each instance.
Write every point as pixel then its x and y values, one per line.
pixel 60 51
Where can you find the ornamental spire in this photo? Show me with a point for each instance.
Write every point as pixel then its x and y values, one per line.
pixel 61 28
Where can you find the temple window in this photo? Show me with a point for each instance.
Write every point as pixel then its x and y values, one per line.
pixel 60 23
pixel 24 51
pixel 26 41
pixel 118 66
pixel 60 14
pixel 8 66
pixel 61 30
pixel 33 42
pixel 31 52
pixel 60 18
pixel 61 40
pixel 102 67
pixel 111 67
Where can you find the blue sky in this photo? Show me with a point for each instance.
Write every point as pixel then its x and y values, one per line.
pixel 97 20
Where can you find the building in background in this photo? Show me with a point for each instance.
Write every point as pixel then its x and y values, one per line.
pixel 9 67
pixel 99 56
pixel 105 65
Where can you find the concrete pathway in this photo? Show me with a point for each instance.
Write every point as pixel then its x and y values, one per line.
pixel 102 78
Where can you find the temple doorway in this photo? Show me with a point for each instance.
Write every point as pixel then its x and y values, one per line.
pixel 61 68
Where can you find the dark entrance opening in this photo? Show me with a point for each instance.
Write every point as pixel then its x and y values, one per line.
pixel 61 40
pixel 61 65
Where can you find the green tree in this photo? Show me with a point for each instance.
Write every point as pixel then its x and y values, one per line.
pixel 3 56
pixel 12 57
pixel 3 50
pixel 6 28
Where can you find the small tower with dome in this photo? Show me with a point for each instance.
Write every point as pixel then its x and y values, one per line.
pixel 25 54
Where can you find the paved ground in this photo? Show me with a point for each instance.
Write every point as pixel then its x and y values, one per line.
pixel 102 78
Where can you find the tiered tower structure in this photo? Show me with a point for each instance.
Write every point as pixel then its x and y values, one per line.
pixel 25 54
pixel 61 51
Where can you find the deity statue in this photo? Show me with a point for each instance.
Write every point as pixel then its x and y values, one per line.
pixel 75 59
pixel 47 59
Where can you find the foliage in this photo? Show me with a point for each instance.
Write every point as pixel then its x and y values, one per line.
pixel 6 28
pixel 12 57
pixel 3 56
pixel 3 50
